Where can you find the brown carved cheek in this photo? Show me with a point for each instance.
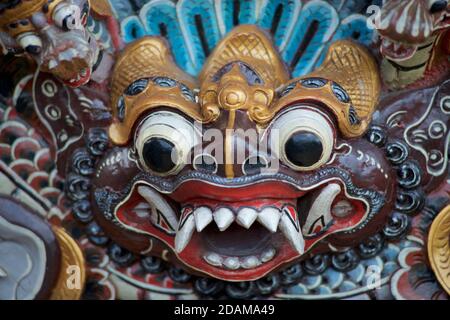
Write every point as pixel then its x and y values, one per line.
pixel 370 170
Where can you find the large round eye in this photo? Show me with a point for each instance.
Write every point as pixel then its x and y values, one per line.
pixel 438 6
pixel 304 138
pixel 164 141
pixel 30 42
pixel 67 17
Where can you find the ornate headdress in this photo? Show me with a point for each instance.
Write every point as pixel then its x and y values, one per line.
pixel 244 72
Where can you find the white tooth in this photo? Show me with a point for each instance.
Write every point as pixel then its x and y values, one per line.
pixel 289 230
pixel 250 262
pixel 142 213
pixel 223 218
pixel 342 209
pixel 322 207
pixel 153 198
pixel 268 255
pixel 52 64
pixel 231 263
pixel 3 273
pixel 269 218
pixel 246 217
pixel 142 205
pixel 184 234
pixel 203 217
pixel 213 259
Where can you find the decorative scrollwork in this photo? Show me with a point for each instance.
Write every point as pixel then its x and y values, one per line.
pixel 316 264
pixel 377 136
pixel 77 187
pixel 268 284
pixel 409 175
pixel 152 264
pixel 82 162
pixel 208 287
pixel 397 152
pixel 345 261
pixel 396 227
pixel 179 275
pixel 410 201
pixel 97 141
pixel 240 290
pixel 96 235
pixel 120 256
pixel 291 274
pixel 82 211
pixel 371 246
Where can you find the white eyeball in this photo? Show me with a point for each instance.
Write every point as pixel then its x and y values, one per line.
pixel 67 17
pixel 304 138
pixel 30 42
pixel 163 142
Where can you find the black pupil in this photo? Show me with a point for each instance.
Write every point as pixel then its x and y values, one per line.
pixel 438 6
pixel 304 149
pixel 157 153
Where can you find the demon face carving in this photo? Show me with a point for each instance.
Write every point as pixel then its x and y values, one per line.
pixel 54 34
pixel 413 37
pixel 244 170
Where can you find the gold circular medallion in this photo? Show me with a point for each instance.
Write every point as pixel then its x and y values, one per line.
pixel 72 275
pixel 439 248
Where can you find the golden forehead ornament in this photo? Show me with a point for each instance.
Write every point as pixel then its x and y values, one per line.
pixel 245 72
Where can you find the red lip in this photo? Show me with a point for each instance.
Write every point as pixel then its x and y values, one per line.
pixel 272 189
pixel 82 81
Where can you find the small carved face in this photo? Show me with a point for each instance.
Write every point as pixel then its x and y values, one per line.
pixel 54 34
pixel 408 28
pixel 266 178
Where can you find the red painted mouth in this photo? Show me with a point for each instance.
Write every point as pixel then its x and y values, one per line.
pixel 240 233
pixel 81 79
pixel 397 51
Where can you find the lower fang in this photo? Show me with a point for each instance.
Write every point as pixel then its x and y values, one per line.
pixel 231 263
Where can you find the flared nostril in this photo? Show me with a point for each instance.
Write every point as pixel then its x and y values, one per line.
pixel 205 163
pixel 254 164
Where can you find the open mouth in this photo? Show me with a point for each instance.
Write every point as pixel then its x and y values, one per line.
pixel 240 233
pixel 72 61
pixel 397 51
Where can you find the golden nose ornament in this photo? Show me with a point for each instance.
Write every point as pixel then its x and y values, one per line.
pixel 232 98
